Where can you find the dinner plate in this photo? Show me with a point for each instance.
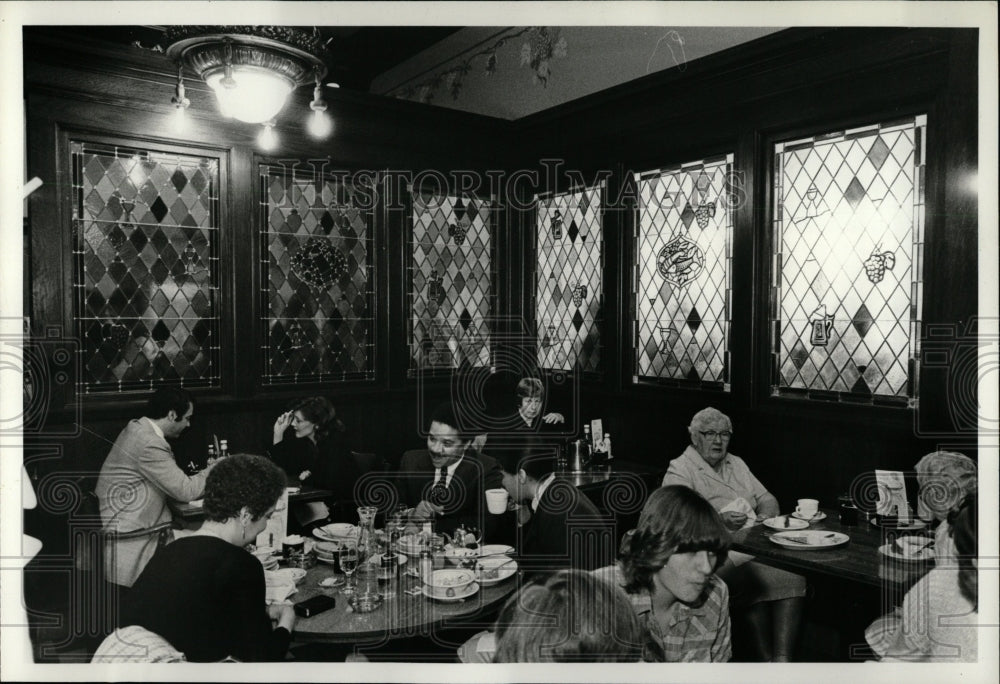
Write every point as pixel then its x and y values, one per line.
pixel 503 573
pixel 284 575
pixel 922 555
pixel 326 559
pixel 915 524
pixel 784 522
pixel 808 540
pixel 336 532
pixel 495 549
pixel 820 515
pixel 460 595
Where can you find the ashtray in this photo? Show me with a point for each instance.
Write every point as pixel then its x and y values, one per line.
pixel 365 603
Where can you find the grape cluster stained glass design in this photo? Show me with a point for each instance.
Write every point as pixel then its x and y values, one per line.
pixel 848 259
pixel 569 293
pixel 451 275
pixel 146 260
pixel 316 247
pixel 683 235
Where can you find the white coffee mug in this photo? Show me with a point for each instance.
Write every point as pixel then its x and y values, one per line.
pixel 496 501
pixel 807 507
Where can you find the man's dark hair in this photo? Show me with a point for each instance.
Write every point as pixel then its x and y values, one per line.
pixel 537 464
pixel 445 414
pixel 167 399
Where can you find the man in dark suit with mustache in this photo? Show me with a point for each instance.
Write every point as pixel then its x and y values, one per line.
pixel 445 482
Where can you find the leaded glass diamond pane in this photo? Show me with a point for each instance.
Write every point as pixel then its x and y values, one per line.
pixel 317 280
pixel 146 267
pixel 569 293
pixel 451 279
pixel 683 234
pixel 848 244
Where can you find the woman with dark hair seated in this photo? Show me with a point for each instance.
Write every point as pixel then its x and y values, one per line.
pixel 204 593
pixel 938 621
pixel 667 567
pixel 317 455
pixel 568 617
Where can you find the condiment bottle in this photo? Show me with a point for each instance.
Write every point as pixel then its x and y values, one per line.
pixel 607 445
pixel 426 566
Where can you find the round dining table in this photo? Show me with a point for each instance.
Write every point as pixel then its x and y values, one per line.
pixel 402 614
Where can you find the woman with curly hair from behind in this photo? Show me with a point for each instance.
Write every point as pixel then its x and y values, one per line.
pixel 204 593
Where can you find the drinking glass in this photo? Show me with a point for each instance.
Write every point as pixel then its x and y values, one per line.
pixel 348 557
pixel 468 537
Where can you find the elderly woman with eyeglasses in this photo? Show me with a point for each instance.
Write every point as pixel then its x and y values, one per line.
pixel 769 599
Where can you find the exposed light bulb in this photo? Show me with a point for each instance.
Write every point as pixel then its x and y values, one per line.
pixel 180 120
pixel 267 138
pixel 320 124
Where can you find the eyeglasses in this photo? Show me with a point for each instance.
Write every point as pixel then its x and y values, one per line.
pixel 712 434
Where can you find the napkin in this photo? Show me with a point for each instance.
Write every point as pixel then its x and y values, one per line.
pixel 279 587
pixel 741 505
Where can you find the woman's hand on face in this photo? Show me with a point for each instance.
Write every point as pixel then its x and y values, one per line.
pixel 553 418
pixel 304 474
pixel 733 519
pixel 281 424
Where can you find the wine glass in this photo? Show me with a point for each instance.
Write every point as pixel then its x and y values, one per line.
pixel 348 557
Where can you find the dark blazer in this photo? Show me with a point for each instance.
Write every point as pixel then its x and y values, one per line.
pixel 331 467
pixel 566 531
pixel 464 502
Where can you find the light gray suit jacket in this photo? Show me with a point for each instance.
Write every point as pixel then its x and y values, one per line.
pixel 137 479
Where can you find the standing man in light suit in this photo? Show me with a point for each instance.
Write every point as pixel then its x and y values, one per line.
pixel 139 477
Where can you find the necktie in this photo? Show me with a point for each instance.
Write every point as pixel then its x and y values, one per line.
pixel 438 491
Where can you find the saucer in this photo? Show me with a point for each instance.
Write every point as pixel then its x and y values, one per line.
pixel 820 515
pixel 785 522
pixel 460 595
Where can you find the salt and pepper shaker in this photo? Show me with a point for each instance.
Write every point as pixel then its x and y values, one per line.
pixel 607 446
pixel 223 448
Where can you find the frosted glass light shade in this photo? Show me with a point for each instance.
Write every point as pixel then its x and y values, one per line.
pixel 258 95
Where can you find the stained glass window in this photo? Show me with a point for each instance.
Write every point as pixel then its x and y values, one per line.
pixel 316 247
pixel 146 260
pixel 683 234
pixel 569 294
pixel 451 275
pixel 848 258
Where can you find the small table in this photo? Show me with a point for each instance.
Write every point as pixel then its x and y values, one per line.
pixel 859 560
pixel 399 616
pixel 188 512
pixel 616 470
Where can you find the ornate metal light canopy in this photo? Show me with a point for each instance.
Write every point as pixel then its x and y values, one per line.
pixel 252 69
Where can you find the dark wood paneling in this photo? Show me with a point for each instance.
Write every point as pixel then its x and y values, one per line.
pixel 794 83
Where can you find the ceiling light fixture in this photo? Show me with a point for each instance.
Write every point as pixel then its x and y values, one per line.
pixel 252 69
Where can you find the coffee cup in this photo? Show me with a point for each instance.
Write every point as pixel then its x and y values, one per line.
pixel 848 511
pixel 496 501
pixel 807 508
pixel 292 545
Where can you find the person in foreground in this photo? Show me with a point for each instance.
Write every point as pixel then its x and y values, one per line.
pixel 946 480
pixel 938 620
pixel 568 617
pixel 204 593
pixel 317 455
pixel 138 479
pixel 562 528
pixel 667 568
pixel 769 599
pixel 446 482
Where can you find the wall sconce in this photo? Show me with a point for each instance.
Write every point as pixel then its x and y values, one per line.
pixel 252 70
